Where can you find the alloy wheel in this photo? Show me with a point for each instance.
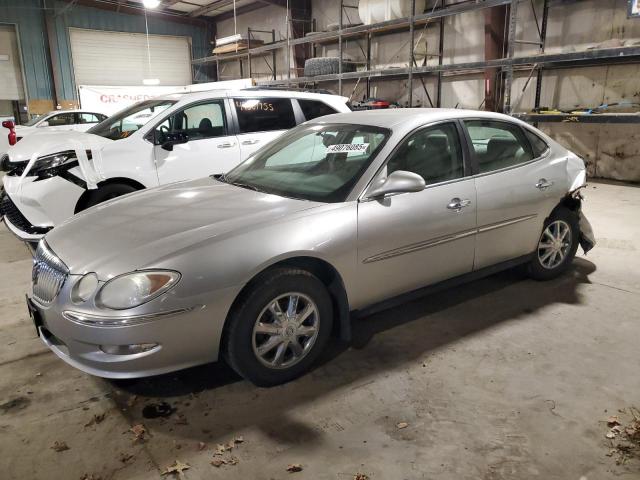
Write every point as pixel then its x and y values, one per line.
pixel 286 330
pixel 554 244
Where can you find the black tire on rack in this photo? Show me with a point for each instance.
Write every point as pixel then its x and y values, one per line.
pixel 326 66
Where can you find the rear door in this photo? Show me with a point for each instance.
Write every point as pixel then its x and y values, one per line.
pixel 260 120
pixel 516 187
pixel 211 148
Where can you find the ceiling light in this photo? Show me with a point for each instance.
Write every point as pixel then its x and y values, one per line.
pixel 151 81
pixel 151 3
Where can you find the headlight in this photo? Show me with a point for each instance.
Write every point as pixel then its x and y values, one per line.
pixel 46 164
pixel 133 289
pixel 84 288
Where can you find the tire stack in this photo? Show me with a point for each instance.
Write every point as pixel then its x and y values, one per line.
pixel 326 66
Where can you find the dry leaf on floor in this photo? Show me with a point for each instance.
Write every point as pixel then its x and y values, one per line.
pixel 60 446
pixel 294 467
pixel 125 457
pixel 132 401
pixel 610 435
pixel 202 446
pixel 402 425
pixel 360 476
pixel 96 419
pixel 218 462
pixel 613 420
pixel 238 439
pixel 177 467
pixel 220 449
pixel 139 431
pixel 91 476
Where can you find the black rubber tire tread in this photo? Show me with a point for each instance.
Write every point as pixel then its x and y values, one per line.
pixel 534 269
pixel 236 346
pixel 108 192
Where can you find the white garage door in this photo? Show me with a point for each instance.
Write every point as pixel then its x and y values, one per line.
pixel 10 72
pixel 116 58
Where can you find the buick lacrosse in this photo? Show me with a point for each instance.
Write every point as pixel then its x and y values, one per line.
pixel 261 265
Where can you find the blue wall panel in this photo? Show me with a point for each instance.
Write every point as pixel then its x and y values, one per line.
pixel 29 16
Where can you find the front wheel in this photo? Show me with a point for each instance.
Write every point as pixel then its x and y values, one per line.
pixel 107 192
pixel 279 327
pixel 557 245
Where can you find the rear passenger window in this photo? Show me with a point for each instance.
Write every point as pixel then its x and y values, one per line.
pixel 433 153
pixel 498 144
pixel 264 114
pixel 538 145
pixel 314 108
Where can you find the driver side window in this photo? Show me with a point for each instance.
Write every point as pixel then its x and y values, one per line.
pixel 434 153
pixel 204 120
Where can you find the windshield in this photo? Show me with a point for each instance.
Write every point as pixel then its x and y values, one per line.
pixel 34 120
pixel 312 162
pixel 130 120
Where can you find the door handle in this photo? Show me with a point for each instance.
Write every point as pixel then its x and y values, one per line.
pixel 457 204
pixel 543 184
pixel 250 142
pixel 226 145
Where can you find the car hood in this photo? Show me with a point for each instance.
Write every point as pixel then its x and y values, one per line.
pixel 143 228
pixel 47 143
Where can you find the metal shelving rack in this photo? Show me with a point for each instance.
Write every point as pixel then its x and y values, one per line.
pixel 535 64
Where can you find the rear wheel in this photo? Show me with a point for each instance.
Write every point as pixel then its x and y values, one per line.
pixel 107 192
pixel 279 327
pixel 557 245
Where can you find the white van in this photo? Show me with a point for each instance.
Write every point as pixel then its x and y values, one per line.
pixel 50 177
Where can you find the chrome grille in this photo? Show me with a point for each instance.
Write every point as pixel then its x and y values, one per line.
pixel 49 274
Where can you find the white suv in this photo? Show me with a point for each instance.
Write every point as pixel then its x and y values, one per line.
pixel 50 177
pixel 58 120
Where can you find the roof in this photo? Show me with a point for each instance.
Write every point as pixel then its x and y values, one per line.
pixel 253 92
pixel 407 117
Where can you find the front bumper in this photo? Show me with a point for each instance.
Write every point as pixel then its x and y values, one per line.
pixel 184 336
pixel 32 208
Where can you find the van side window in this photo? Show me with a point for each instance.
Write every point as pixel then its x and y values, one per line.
pixel 498 145
pixel 314 109
pixel 264 114
pixel 204 120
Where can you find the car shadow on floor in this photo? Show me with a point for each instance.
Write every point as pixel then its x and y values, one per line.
pixel 213 400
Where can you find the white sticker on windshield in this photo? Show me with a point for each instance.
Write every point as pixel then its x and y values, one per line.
pixel 347 147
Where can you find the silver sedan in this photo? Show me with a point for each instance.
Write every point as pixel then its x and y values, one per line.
pixel 261 265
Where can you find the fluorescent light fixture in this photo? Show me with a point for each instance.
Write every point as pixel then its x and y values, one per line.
pixel 151 81
pixel 4 58
pixel 151 3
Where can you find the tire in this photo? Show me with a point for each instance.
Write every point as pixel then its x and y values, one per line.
pixel 326 66
pixel 107 192
pixel 243 343
pixel 552 261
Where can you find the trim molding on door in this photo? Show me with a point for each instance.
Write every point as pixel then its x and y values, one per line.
pixel 414 247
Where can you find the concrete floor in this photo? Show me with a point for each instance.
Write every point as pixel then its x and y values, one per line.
pixel 504 378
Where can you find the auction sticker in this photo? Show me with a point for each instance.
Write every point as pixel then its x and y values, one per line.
pixel 347 147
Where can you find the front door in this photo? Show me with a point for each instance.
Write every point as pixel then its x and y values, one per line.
pixel 517 187
pixel 210 148
pixel 410 240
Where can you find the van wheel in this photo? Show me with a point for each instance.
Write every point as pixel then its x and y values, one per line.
pixel 557 245
pixel 279 327
pixel 105 193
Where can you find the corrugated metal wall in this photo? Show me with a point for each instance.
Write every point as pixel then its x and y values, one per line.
pixel 29 17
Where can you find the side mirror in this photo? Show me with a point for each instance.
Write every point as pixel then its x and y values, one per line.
pixel 44 123
pixel 168 140
pixel 399 181
pixel 10 124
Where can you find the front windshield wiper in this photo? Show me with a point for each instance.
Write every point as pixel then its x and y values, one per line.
pixel 223 178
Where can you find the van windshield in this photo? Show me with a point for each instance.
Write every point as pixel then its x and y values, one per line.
pixel 130 120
